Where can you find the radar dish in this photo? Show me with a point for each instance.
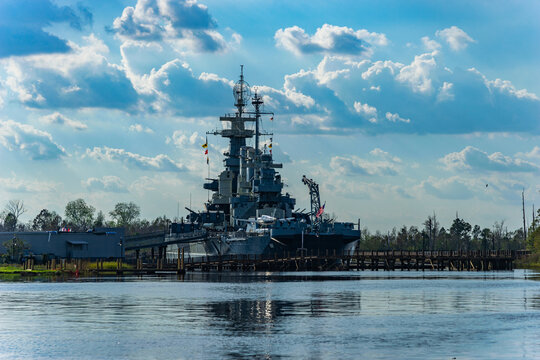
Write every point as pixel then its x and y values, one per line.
pixel 242 93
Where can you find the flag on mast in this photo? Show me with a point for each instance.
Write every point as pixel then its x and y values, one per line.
pixel 205 147
pixel 270 145
pixel 321 211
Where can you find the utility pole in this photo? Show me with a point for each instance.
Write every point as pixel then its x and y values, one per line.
pixel 533 220
pixel 524 225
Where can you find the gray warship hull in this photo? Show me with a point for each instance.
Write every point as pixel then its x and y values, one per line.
pixel 274 243
pixel 227 245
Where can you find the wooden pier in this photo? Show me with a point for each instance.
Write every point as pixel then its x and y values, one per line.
pixel 332 261
pixel 302 261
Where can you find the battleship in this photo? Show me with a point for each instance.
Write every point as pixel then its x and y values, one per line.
pixel 247 212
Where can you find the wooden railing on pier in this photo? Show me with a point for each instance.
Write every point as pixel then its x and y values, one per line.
pixel 351 260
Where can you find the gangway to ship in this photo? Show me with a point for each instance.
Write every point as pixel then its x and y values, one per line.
pixel 158 239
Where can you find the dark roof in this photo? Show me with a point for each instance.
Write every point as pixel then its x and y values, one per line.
pixel 77 242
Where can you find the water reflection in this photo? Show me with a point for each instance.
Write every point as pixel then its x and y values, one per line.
pixel 273 316
pixel 249 277
pixel 240 317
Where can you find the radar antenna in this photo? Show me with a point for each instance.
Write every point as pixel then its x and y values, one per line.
pixel 241 92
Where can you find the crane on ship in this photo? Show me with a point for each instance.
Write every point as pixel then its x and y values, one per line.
pixel 316 208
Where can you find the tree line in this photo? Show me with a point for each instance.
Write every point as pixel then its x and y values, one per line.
pixel 80 216
pixel 460 235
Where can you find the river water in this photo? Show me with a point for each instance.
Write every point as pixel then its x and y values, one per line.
pixel 341 315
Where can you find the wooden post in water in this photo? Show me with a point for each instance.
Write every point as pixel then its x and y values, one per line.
pixel 183 268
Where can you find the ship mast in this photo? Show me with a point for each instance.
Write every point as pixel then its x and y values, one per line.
pixel 239 89
pixel 257 102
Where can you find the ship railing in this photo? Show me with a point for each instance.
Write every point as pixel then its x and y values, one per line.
pixel 190 234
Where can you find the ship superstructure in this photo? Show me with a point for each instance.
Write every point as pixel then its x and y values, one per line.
pixel 249 186
pixel 247 212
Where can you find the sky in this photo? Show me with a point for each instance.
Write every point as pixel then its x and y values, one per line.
pixel 397 109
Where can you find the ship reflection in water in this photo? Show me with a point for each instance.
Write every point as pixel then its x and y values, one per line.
pixel 247 316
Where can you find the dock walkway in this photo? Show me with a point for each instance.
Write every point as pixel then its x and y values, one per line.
pixel 347 261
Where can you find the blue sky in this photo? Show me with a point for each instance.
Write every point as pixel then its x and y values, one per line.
pixel 399 109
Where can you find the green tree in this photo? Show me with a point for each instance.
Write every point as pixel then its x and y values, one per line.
pixel 402 240
pixel 125 214
pixel 485 237
pixel 46 220
pixel 10 221
pixel 443 240
pixel 534 234
pixel 499 235
pixel 79 214
pixel 535 240
pixel 100 219
pixel 460 231
pixel 15 248
pixel 475 243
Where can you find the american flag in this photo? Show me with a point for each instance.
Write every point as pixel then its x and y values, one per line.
pixel 321 210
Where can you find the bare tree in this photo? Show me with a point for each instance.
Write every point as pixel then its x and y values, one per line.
pixel 16 209
pixel 431 226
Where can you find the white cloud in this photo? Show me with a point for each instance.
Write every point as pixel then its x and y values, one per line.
pixel 139 128
pixel 418 73
pixel 182 139
pixel 159 162
pixel 82 77
pixel 365 110
pixel 446 92
pixel 395 118
pixel 105 184
pixel 442 101
pixel 473 159
pixel 58 119
pixel 379 66
pixel 157 185
pixel 23 26
pixel 453 188
pixel 505 86
pixel 533 154
pixel 329 39
pixel 429 44
pixel 18 185
pixel 385 155
pixel 174 88
pixel 354 165
pixel 38 144
pixel 455 37
pixel 184 24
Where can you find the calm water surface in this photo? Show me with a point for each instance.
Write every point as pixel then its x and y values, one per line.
pixel 378 315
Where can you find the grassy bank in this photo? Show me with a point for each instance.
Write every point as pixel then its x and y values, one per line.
pixel 108 265
pixel 530 262
pixel 17 269
pixel 69 268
